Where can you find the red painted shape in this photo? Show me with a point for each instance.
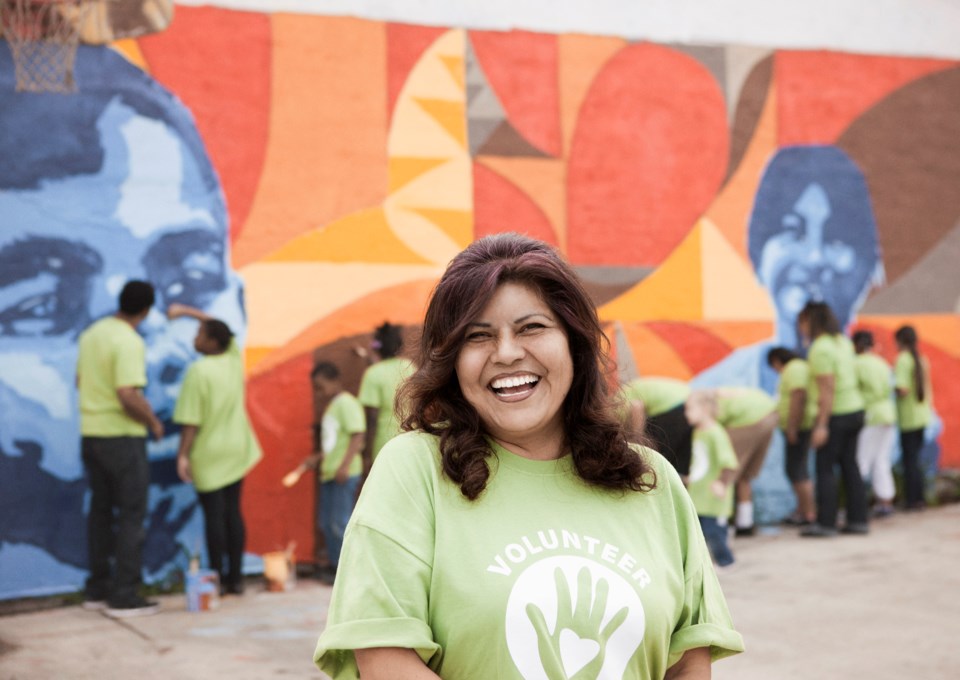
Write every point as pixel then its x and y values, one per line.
pixel 217 62
pixel 697 348
pixel 648 155
pixel 280 404
pixel 500 206
pixel 405 45
pixel 522 68
pixel 819 94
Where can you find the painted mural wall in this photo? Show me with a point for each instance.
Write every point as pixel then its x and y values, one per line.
pixel 308 177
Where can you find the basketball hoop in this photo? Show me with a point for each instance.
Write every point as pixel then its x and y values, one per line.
pixel 43 37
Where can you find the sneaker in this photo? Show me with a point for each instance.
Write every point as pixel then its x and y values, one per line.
pixel 131 608
pixel 794 521
pixel 818 531
pixel 858 528
pixel 742 532
pixel 94 605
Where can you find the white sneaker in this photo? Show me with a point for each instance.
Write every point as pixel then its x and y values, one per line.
pixel 137 607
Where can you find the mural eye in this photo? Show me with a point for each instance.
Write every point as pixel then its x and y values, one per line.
pixel 792 224
pixel 187 267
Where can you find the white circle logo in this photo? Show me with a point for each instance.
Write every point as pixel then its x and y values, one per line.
pixel 570 617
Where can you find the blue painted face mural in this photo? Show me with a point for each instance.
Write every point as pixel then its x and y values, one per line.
pixel 812 235
pixel 110 184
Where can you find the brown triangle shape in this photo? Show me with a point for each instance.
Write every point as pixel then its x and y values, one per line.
pixel 506 141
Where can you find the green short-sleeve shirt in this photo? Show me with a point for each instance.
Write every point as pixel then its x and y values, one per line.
pixel 212 398
pixel 795 376
pixel 342 419
pixel 658 395
pixel 743 406
pixel 378 389
pixel 711 453
pixel 542 576
pixel 912 414
pixel 876 385
pixel 111 355
pixel 834 355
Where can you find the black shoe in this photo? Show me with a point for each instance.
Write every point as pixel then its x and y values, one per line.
pixel 232 589
pixel 136 606
pixel 794 521
pixel 859 528
pixel 818 531
pixel 742 532
pixel 94 605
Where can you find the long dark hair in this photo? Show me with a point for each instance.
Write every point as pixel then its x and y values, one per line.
pixel 431 399
pixel 821 318
pixel 906 337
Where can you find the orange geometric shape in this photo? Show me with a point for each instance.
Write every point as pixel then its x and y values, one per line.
pixel 457 224
pixel 364 236
pixel 454 65
pixel 820 93
pixel 404 170
pixel 674 291
pixel 730 210
pixel 739 333
pixel 405 304
pixel 521 67
pixel 648 156
pixel 698 348
pixel 730 288
pixel 405 45
pixel 328 129
pixel 544 182
pixel 653 355
pixel 580 58
pixel 501 206
pixel 449 115
pixel 130 49
pixel 941 330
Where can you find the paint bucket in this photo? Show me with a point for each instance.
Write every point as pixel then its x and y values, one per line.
pixel 279 571
pixel 203 590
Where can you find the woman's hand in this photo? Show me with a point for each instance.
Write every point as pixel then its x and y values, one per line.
pixel 819 436
pixel 183 469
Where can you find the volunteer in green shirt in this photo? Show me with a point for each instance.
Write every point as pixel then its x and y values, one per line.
pixel 514 532
pixel 341 441
pixel 656 409
pixel 914 399
pixel 217 445
pixel 796 413
pixel 713 469
pixel 378 389
pixel 114 419
pixel 840 416
pixel 875 445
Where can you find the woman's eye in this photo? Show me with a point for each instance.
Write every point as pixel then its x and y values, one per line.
pixel 531 327
pixel 476 337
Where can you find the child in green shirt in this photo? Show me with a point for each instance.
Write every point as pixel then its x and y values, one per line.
pixel 713 466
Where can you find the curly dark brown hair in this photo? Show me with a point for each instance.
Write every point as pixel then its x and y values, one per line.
pixel 431 400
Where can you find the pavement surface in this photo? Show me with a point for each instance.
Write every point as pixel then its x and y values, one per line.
pixel 882 606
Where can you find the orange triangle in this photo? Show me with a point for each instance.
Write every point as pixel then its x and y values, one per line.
pixel 449 115
pixel 130 49
pixel 364 236
pixel 404 169
pixel 674 292
pixel 653 355
pixel 457 224
pixel 543 180
pixel 454 65
pixel 730 288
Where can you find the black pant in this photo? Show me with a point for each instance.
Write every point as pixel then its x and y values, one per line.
pixel 911 443
pixel 672 436
pixel 225 533
pixel 119 475
pixel 841 448
pixel 796 457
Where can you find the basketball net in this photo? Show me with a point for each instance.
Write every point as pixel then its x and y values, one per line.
pixel 43 37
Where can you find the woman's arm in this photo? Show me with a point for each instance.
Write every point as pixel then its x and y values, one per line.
pixel 397 663
pixel 693 665
pixel 798 404
pixel 187 434
pixel 825 384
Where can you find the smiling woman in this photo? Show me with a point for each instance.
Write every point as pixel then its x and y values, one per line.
pixel 512 532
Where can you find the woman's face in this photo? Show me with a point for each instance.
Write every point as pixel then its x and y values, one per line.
pixel 803 328
pixel 515 369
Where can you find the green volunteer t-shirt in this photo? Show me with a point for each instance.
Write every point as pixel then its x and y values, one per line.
pixel 834 355
pixel 658 395
pixel 111 355
pixel 212 398
pixel 711 453
pixel 378 389
pixel 343 418
pixel 543 576
pixel 743 406
pixel 796 376
pixel 912 414
pixel 876 385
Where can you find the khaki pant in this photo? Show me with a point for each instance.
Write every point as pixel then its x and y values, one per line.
pixel 750 443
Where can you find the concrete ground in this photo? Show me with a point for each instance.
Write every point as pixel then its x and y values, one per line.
pixel 883 606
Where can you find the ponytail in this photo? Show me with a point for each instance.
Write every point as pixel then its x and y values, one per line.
pixel 906 337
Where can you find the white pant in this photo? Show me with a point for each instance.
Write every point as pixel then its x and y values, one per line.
pixel 874 446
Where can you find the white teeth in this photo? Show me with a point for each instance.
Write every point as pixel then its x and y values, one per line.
pixel 513 381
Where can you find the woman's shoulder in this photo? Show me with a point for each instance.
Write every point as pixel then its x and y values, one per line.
pixel 411 449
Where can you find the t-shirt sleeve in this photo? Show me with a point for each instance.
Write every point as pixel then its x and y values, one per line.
pixel 369 395
pixel 795 377
pixel 903 372
pixel 704 619
pixel 189 408
pixel 352 418
pixel 130 368
pixel 381 594
pixel 821 359
pixel 723 450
